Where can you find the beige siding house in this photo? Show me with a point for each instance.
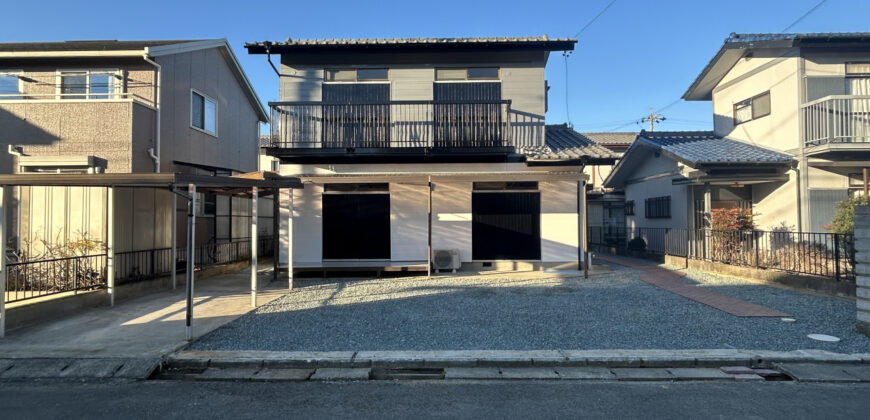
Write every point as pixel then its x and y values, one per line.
pixel 124 107
pixel 412 149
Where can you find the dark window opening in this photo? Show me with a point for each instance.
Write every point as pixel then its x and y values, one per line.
pixel 365 187
pixel 629 208
pixel 658 207
pixel 509 185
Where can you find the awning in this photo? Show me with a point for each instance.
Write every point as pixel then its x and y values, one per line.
pixel 229 185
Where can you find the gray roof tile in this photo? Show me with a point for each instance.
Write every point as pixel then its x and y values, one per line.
pixel 623 138
pixel 562 142
pixel 703 147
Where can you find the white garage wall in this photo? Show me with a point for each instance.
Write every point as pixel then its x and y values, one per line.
pixel 409 222
pixel 307 226
pixel 559 221
pixel 451 218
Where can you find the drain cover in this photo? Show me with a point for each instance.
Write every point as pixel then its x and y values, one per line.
pixel 824 337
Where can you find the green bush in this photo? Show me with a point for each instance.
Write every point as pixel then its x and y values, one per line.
pixel 844 218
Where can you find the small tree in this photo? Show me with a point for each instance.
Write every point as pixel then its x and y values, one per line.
pixel 732 219
pixel 844 217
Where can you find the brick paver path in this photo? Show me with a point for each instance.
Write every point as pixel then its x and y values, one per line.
pixel 670 280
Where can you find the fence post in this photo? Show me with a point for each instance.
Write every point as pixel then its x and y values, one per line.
pixel 837 256
pixel 755 240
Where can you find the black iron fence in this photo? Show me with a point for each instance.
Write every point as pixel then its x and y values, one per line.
pixel 32 279
pixel 819 254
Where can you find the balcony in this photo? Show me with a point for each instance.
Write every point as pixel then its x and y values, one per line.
pixel 411 127
pixel 837 122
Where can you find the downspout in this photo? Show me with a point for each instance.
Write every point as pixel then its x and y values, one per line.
pixel 154 152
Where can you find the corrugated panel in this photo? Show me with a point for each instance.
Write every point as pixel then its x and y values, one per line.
pixel 823 204
pixel 506 226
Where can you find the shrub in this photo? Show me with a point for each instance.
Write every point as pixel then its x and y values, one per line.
pixel 732 219
pixel 637 244
pixel 844 218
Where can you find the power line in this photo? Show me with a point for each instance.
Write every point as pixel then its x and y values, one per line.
pixel 595 18
pixel 804 16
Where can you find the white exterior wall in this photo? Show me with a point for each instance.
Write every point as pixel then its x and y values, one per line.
pixel 451 217
pixel 559 221
pixel 409 222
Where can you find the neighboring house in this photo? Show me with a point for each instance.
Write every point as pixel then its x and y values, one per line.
pixel 807 95
pixel 405 144
pixel 673 179
pixel 125 107
pixel 606 213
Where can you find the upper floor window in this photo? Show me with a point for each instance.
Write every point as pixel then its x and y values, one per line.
pixel 470 73
pixel 203 113
pixel 88 84
pixel 11 85
pixel 658 207
pixel 356 75
pixel 753 108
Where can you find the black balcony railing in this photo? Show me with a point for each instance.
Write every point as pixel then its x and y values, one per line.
pixel 397 124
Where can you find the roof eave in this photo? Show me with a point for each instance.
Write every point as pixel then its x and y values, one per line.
pixel 543 45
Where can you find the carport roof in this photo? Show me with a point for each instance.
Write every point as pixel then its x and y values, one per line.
pixel 231 185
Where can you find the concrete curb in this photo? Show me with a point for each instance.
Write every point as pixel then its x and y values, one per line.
pixel 198 360
pixel 78 368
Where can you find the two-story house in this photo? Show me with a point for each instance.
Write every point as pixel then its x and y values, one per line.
pixel 124 107
pixel 807 95
pixel 412 146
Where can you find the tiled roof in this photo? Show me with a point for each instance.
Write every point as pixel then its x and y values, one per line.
pixel 542 42
pixel 703 147
pixel 822 36
pixel 562 142
pixel 612 138
pixel 93 45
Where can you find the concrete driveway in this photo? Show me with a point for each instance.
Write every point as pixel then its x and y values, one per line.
pixel 148 326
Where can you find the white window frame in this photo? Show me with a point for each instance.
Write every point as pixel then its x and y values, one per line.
pixel 216 113
pixel 19 74
pixel 117 86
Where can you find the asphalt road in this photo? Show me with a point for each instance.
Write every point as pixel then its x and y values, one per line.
pixel 425 399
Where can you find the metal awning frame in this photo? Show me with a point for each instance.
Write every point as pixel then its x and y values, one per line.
pixel 252 185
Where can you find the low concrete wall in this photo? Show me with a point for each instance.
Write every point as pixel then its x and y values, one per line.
pixel 817 284
pixel 862 268
pixel 49 308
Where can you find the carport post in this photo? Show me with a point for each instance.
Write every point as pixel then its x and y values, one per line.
pixel 276 228
pixel 110 244
pixel 172 246
pixel 584 231
pixel 290 238
pixel 191 235
pixel 3 194
pixel 429 234
pixel 708 217
pixel 254 247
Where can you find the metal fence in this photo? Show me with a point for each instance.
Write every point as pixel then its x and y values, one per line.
pixel 31 279
pixel 820 254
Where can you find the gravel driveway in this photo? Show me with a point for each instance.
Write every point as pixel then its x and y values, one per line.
pixel 525 311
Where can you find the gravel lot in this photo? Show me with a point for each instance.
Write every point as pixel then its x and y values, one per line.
pixel 612 310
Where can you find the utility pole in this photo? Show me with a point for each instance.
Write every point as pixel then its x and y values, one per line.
pixel 653 119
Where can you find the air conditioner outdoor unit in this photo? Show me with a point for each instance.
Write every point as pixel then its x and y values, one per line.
pixel 446 259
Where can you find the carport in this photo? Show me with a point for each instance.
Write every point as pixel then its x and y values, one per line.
pixel 186 186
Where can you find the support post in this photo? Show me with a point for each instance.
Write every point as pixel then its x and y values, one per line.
pixel 254 247
pixel 584 233
pixel 191 241
pixel 173 247
pixel 276 228
pixel 866 180
pixel 429 234
pixel 708 214
pixel 285 197
pixel 3 194
pixel 110 244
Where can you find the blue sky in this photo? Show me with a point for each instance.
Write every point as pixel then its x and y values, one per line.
pixel 637 55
